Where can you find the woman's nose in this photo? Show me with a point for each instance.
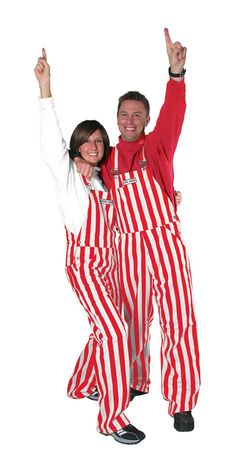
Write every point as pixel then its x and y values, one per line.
pixel 93 144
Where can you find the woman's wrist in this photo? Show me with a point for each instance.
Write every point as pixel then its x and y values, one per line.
pixel 45 91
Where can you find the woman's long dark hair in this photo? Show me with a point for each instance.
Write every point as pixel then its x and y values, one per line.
pixel 82 132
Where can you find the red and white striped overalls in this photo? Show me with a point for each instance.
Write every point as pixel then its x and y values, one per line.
pixel 91 266
pixel 152 256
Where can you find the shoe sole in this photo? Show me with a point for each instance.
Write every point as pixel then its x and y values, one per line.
pixel 184 429
pixel 132 396
pixel 124 441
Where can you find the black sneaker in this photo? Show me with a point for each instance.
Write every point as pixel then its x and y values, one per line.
pixel 128 435
pixel 135 393
pixel 93 396
pixel 183 421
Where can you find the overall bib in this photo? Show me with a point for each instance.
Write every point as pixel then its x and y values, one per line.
pixel 91 267
pixel 153 261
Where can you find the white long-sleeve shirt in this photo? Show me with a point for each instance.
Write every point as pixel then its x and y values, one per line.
pixel 71 193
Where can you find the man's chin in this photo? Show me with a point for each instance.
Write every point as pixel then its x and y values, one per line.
pixel 129 137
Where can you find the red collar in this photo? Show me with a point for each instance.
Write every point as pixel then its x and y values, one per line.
pixel 131 146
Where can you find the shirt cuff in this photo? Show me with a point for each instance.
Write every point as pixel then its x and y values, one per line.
pixel 175 84
pixel 46 103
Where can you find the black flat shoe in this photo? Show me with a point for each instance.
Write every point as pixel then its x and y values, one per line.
pixel 135 393
pixel 183 421
pixel 128 435
pixel 93 396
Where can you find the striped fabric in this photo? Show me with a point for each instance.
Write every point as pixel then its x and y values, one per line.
pixel 91 267
pixel 98 230
pixel 153 261
pixel 136 293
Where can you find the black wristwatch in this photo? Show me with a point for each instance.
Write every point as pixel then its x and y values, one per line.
pixel 181 74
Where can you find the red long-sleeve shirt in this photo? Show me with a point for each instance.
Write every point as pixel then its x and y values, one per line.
pixel 159 145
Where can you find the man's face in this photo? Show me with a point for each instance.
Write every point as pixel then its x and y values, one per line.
pixel 132 119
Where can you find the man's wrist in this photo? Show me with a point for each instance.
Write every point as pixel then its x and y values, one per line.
pixel 77 159
pixel 176 73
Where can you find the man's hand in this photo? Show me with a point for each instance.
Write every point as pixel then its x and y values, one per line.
pixel 42 72
pixel 83 167
pixel 178 197
pixel 176 53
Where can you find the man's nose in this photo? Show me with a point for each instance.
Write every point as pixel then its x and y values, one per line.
pixel 130 119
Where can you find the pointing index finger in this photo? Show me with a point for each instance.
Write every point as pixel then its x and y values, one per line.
pixel 167 38
pixel 44 55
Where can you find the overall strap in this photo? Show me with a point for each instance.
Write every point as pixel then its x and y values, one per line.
pixel 115 162
pixel 143 163
pixel 87 184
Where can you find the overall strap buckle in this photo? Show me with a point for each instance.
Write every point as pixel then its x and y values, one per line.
pixel 114 172
pixel 143 164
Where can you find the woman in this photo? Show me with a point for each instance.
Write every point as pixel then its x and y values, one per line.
pixel 91 263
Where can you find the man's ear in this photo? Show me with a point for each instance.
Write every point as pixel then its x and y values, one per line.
pixel 147 121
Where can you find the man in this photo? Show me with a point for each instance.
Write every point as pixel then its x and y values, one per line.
pixel 153 260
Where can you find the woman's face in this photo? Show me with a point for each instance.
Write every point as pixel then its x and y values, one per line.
pixel 92 150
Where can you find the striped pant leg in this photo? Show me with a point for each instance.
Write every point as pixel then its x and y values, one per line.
pixel 83 380
pixel 111 278
pixel 136 294
pixel 110 356
pixel 168 263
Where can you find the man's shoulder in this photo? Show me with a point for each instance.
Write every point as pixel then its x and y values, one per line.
pixel 107 159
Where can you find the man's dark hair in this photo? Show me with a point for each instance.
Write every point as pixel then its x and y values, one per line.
pixel 82 132
pixel 133 95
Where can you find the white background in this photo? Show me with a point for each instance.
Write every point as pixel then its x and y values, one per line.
pixel 98 50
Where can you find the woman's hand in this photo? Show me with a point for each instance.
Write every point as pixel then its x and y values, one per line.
pixel 42 73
